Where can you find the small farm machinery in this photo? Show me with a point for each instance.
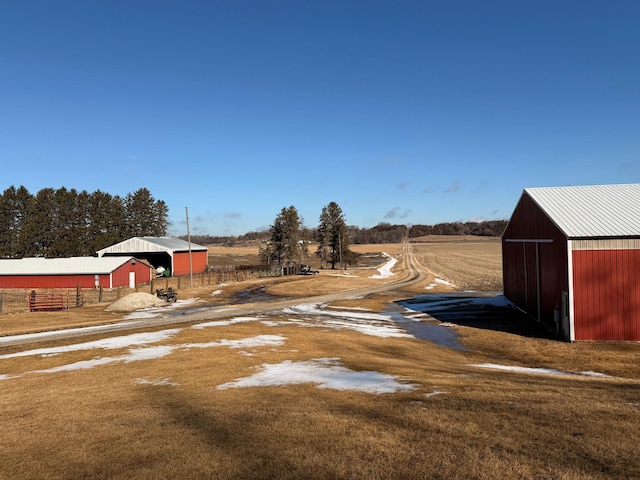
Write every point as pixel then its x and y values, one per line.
pixel 169 295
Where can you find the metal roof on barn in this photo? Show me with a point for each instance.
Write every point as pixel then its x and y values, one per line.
pixel 62 266
pixel 598 211
pixel 151 244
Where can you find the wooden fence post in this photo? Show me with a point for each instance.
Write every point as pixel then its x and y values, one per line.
pixel 78 296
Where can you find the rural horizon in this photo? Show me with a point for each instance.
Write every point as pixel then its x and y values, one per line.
pixel 320 240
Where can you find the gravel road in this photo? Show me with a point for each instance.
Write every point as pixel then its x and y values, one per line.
pixel 412 274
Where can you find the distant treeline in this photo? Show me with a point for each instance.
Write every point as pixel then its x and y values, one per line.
pixel 490 228
pixel 381 233
pixel 67 223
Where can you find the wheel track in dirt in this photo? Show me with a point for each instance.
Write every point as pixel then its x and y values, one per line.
pixel 414 272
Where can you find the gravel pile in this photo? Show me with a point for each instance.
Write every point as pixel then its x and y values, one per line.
pixel 136 300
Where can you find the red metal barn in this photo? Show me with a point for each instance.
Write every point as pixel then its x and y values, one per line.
pixel 171 253
pixel 571 259
pixel 85 272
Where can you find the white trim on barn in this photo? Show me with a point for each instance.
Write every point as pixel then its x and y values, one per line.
pixel 169 245
pixel 572 328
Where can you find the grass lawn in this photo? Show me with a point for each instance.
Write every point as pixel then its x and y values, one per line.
pixel 330 392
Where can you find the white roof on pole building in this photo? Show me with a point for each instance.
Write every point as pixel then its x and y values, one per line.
pixel 591 211
pixel 151 244
pixel 62 266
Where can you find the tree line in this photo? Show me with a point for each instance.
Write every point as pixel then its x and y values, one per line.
pixel 65 223
pixel 381 233
pixel 287 240
pixel 489 228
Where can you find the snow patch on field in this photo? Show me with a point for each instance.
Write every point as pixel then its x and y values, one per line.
pixel 375 324
pixel 104 343
pixel 385 270
pixel 250 342
pixel 325 373
pixel 539 371
pixel 434 393
pixel 223 323
pixel 161 382
pixel 157 351
pixel 439 281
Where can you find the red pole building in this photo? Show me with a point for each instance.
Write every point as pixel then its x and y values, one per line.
pixel 571 260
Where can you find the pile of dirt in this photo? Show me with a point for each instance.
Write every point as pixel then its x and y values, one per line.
pixel 136 300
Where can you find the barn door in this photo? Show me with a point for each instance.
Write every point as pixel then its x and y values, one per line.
pixel 132 279
pixel 532 280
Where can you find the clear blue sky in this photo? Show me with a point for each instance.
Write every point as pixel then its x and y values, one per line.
pixel 409 112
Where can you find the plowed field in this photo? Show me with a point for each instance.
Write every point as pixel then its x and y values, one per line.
pixel 467 265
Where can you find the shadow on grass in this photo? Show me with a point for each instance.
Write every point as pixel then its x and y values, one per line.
pixel 479 310
pixel 232 442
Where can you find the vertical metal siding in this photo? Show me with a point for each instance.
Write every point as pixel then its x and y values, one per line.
pixel 47 281
pixel 607 294
pixel 181 262
pixel 528 273
pixel 120 276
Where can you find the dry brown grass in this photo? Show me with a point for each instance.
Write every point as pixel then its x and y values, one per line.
pixel 104 423
pixel 468 265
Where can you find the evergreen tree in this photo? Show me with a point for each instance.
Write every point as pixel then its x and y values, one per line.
pixel 62 223
pixel 333 238
pixel 144 215
pixel 38 232
pixel 68 235
pixel 105 217
pixel 323 236
pixel 161 220
pixel 286 243
pixel 14 207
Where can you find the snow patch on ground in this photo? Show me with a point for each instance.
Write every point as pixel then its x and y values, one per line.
pixel 325 373
pixel 161 382
pixel 434 393
pixel 104 343
pixel 250 342
pixel 539 371
pixel 223 323
pixel 439 281
pixel 156 351
pixel 385 270
pixel 375 324
pixel 362 309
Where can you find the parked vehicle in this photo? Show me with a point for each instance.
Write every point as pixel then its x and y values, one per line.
pixel 306 270
pixel 169 295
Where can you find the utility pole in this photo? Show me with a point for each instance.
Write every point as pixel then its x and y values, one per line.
pixel 186 209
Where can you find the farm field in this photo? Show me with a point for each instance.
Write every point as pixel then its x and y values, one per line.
pixel 319 389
